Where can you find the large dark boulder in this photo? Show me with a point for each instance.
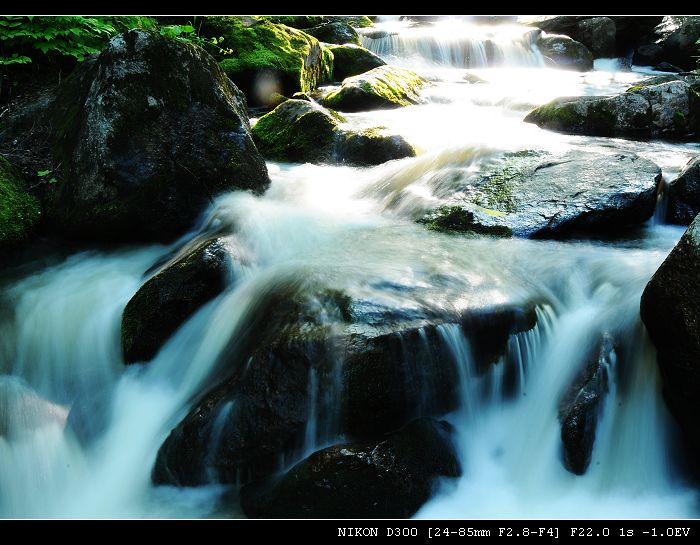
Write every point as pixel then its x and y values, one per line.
pixel 351 60
pixel 605 36
pixel 264 59
pixel 670 310
pixel 19 211
pixel 300 130
pixel 139 140
pixel 581 406
pixel 245 425
pixel 390 376
pixel 375 369
pixel 382 87
pixel 563 52
pixel 673 40
pixel 242 429
pixel 599 35
pixel 661 106
pixel 392 478
pixel 684 194
pixel 334 32
pixel 536 194
pixel 171 296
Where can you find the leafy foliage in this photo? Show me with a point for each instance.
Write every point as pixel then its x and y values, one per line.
pixel 186 33
pixel 22 38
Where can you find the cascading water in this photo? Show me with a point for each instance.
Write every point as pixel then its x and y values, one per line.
pixel 79 431
pixel 454 43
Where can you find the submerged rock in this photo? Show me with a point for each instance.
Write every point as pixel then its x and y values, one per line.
pixel 22 410
pixel 351 60
pixel 19 211
pixel 372 147
pixel 334 32
pixel 268 58
pixel 540 195
pixel 670 310
pixel 165 302
pixel 303 131
pixel 382 87
pixel 667 67
pixel 580 408
pixel 392 478
pixel 139 139
pixel 563 52
pixel 684 194
pixel 658 107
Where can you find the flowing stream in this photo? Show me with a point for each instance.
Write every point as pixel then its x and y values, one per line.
pixel 354 228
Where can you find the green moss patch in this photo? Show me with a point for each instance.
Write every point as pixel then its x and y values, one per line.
pixel 495 190
pixel 570 115
pixel 297 130
pixel 252 45
pixel 19 211
pixel 455 219
pixel 382 87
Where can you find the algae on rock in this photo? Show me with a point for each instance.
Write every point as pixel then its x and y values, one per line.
pixel 19 211
pixel 382 87
pixel 255 48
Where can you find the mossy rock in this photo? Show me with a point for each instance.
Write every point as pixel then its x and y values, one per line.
pixel 165 302
pixel 141 139
pixel 372 147
pixel 283 58
pixel 351 60
pixel 307 21
pixel 382 87
pixel 19 211
pixel 334 32
pixel 356 21
pixel 296 21
pixel 297 130
pixel 459 219
pixel 540 195
pixel 662 106
pixel 303 131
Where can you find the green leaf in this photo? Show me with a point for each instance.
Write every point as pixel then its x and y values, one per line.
pixel 42 173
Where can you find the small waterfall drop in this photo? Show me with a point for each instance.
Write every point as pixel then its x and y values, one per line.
pixel 455 44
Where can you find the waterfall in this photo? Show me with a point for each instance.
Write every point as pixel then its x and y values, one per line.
pixel 511 451
pixel 454 44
